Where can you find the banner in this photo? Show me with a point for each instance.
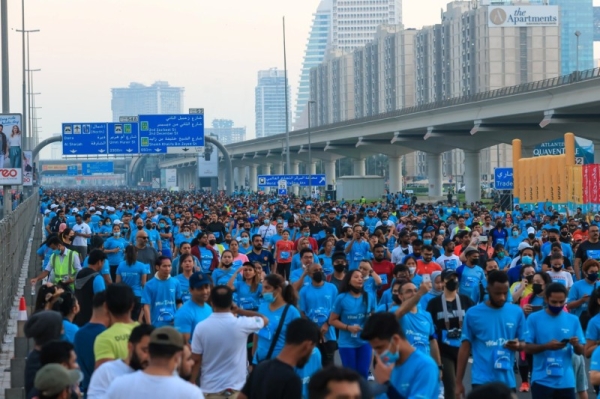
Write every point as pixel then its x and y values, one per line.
pixel 27 168
pixel 10 141
pixel 208 164
pixel 11 177
pixel 170 178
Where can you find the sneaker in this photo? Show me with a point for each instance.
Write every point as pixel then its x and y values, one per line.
pixel 524 387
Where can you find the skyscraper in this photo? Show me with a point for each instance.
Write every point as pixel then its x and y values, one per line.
pixel 225 132
pixel 138 99
pixel 318 42
pixel 270 103
pixel 576 16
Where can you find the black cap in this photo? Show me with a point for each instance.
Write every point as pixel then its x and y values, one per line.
pixel 448 273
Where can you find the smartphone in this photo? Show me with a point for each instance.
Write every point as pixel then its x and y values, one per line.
pixel 426 278
pixel 535 308
pixel 565 341
pixel 512 341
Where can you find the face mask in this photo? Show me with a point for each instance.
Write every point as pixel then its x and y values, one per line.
pixel 56 252
pixel 339 268
pixel 557 267
pixel 306 234
pixel 116 235
pixel 267 221
pixel 527 260
pixel 442 231
pixel 592 276
pixel 162 225
pixel 268 297
pixel 537 289
pixel 552 239
pixel 140 227
pixel 412 270
pixel 427 241
pixel 515 233
pixel 529 279
pixel 245 240
pixel 108 223
pixel 500 255
pixel 451 285
pixel 279 221
pixel 389 358
pixel 228 241
pixel 212 242
pixel 186 233
pixel 355 290
pixel 318 277
pixel 361 223
pixel 384 221
pixel 396 299
pixel 531 236
pixel 125 229
pixel 555 309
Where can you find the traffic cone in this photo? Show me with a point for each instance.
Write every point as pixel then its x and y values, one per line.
pixel 22 309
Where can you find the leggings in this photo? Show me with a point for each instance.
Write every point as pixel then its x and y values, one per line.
pixel 525 366
pixel 357 359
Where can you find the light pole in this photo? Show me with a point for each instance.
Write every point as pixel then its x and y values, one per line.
pixel 25 124
pixel 5 65
pixel 577 34
pixel 308 104
pixel 29 105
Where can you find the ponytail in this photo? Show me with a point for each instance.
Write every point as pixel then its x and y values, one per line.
pixel 289 295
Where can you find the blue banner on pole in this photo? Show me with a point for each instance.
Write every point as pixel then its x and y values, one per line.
pixel 96 168
pixel 503 179
pixel 298 180
pixel 161 134
pixel 123 139
pixel 84 139
pixel 72 170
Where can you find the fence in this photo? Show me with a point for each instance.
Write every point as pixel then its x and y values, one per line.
pixel 15 231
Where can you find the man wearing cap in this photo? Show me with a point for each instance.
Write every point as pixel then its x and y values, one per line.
pixel 82 233
pixel 196 309
pixel 448 311
pixel 53 381
pixel 157 380
pixel 471 275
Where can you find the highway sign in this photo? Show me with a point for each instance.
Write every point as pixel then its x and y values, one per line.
pixel 161 134
pixel 292 180
pixel 196 111
pixel 282 187
pixel 123 138
pixel 503 179
pixel 133 118
pixel 95 168
pixel 84 138
pixel 72 170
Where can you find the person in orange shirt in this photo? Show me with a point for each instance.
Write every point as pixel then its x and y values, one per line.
pixel 427 265
pixel 284 250
pixel 464 239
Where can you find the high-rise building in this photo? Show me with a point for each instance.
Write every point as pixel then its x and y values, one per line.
pixel 139 99
pixel 577 30
pixel 317 45
pixel 269 104
pixel 224 131
pixel 597 24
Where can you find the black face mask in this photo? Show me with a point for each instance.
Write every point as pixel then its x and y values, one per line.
pixel 451 285
pixel 339 268
pixel 318 277
pixel 552 239
pixel 396 299
pixel 537 288
pixel 355 290
pixel 529 279
pixel 228 241
pixel 212 242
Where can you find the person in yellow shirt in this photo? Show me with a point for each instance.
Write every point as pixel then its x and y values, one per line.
pixel 112 343
pixel 523 288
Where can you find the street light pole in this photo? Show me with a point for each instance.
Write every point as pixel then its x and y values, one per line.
pixel 577 34
pixel 5 65
pixel 310 102
pixel 25 122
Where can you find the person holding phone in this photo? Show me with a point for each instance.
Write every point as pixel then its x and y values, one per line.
pixel 358 248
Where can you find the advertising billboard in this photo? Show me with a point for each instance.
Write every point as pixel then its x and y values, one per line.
pixel 522 16
pixel 208 165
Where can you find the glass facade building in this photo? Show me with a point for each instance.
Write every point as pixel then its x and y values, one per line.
pixel 269 103
pixel 139 99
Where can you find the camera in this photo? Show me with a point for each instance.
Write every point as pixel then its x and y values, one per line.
pixel 455 333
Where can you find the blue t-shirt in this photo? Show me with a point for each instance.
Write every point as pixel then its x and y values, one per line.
pixel 189 315
pixel 488 329
pixel 595 362
pixel 469 280
pixel 161 296
pixel 132 275
pixel 592 332
pixel 327 264
pixel 360 250
pixel 184 284
pixel 113 243
pixel 267 333
pixel 206 258
pixel 419 329
pixel 70 330
pixel 577 291
pixel 313 365
pixel 416 378
pixel 352 311
pixel 245 298
pixel 105 267
pixel 295 276
pixel 553 369
pixel 222 276
pixel 46 252
pixel 296 262
pixel 317 304
pixel 84 347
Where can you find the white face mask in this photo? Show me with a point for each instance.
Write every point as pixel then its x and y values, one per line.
pixel 412 270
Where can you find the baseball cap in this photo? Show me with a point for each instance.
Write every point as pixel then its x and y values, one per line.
pixel 53 206
pixel 117 221
pixel 470 250
pixel 530 230
pixel 198 280
pixel 523 246
pixel 51 379
pixel 338 255
pixel 447 273
pixel 167 336
pixel 47 211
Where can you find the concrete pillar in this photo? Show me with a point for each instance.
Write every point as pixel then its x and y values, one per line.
pixel 434 173
pixel 311 168
pixel 221 178
pixel 472 177
pixel 236 176
pixel 329 172
pixel 295 170
pixel 359 167
pixel 277 168
pixel 395 174
pixel 596 151
pixel 252 177
pixel 266 168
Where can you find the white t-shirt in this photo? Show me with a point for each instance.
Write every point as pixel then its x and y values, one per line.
pixel 267 231
pixel 448 262
pixel 104 376
pixel 82 228
pixel 561 277
pixel 399 253
pixel 221 340
pixel 142 385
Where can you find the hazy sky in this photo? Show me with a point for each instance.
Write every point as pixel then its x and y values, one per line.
pixel 212 49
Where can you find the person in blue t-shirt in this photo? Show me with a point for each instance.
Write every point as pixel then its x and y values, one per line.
pixel 554 336
pixel 278 306
pixel 471 276
pixel 114 247
pixel 405 371
pixel 493 331
pixel 162 295
pixel 134 274
pixel 305 373
pixel 316 304
pixel 579 294
pixel 187 266
pixel 197 308
pixel 357 249
pixel 248 291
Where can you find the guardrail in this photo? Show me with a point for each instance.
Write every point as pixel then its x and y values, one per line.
pixel 15 231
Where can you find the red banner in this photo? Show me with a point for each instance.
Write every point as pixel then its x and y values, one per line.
pixel 591 185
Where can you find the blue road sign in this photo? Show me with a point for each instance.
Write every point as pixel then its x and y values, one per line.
pixel 503 179
pixel 299 180
pixel 160 134
pixel 72 170
pixel 94 168
pixel 282 191
pixel 84 139
pixel 123 139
